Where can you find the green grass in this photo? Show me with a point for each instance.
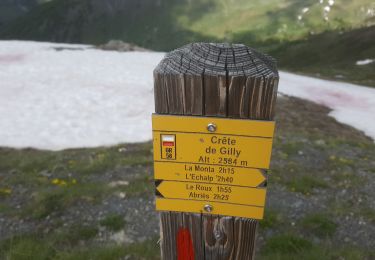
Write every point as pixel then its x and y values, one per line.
pixel 319 225
pixel 298 178
pixel 145 250
pixel 47 203
pixel 57 180
pixel 368 214
pixel 28 248
pixel 271 219
pixel 4 209
pixel 292 247
pixel 286 244
pixel 77 233
pixel 346 179
pixel 78 161
pixel 113 222
pixel 56 199
pixel 64 245
pixel 37 168
pixel 322 252
pixel 305 184
pixel 139 186
pixel 335 169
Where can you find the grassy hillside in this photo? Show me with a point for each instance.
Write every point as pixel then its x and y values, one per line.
pixel 148 23
pixel 308 36
pixel 331 55
pixel 166 24
pixel 11 9
pixel 283 20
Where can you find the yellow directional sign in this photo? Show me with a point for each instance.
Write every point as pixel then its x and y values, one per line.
pixel 209 174
pixel 212 192
pixel 215 149
pixel 211 165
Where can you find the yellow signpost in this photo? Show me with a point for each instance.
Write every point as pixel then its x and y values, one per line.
pixel 217 174
pixel 211 165
pixel 213 192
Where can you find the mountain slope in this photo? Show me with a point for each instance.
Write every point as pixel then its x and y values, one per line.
pixel 309 36
pixel 331 55
pixel 11 9
pixel 166 24
pixel 147 23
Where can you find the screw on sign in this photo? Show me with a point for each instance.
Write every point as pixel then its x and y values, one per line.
pixel 211 127
pixel 212 137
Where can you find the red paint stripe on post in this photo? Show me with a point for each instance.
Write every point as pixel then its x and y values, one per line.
pixel 185 250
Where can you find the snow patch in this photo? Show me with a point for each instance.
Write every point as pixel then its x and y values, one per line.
pixel 351 104
pixel 86 98
pixel 67 99
pixel 364 62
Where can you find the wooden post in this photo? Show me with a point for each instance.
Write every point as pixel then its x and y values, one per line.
pixel 220 80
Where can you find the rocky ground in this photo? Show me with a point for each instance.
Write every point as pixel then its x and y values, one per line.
pixel 98 203
pixel 117 45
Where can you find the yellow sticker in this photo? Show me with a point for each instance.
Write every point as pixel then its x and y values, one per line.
pixel 168 146
pixel 206 161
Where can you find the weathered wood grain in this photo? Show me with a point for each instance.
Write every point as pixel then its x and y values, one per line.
pixel 222 80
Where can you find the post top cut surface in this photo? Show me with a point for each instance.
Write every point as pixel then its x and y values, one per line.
pixel 218 59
